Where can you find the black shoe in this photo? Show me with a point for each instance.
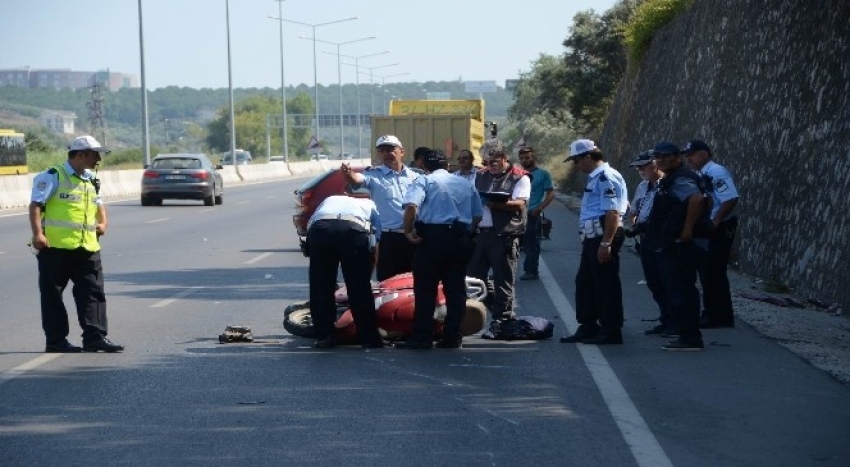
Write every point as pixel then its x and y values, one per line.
pixel 583 332
pixel 683 346
pixel 705 323
pixel 655 331
pixel 326 343
pixel 670 333
pixel 604 338
pixel 62 347
pixel 103 345
pixel 449 343
pixel 414 344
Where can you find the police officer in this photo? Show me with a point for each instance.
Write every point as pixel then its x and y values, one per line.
pixel 67 218
pixel 448 208
pixel 717 181
pixel 638 215
pixel 388 183
pixel 599 295
pixel 502 225
pixel 678 214
pixel 343 232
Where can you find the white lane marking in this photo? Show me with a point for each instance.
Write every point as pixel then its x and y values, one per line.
pixel 157 220
pixel 271 197
pixel 177 296
pixel 640 439
pixel 243 202
pixel 25 367
pixel 258 258
pixel 207 210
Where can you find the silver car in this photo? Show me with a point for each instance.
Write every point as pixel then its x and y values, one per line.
pixel 182 176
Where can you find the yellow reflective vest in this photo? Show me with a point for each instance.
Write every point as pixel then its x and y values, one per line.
pixel 69 218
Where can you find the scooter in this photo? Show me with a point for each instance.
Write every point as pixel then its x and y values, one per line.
pixel 394 305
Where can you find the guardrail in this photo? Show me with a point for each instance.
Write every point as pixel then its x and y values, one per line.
pixel 15 190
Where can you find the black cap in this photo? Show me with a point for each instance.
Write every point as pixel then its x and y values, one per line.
pixel 696 145
pixel 526 149
pixel 435 159
pixel 666 147
pixel 643 159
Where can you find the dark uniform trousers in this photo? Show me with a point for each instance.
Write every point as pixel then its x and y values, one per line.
pixel 56 267
pixel 395 255
pixel 716 296
pixel 679 262
pixel 650 261
pixel 332 243
pixel 441 257
pixel 599 294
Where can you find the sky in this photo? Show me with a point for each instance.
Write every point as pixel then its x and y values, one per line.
pixel 185 41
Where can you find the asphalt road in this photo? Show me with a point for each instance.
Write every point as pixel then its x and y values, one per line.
pixel 176 275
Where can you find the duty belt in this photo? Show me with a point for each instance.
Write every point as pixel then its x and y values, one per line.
pixel 401 231
pixel 346 217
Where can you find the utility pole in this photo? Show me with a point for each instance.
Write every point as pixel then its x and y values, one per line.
pixel 95 107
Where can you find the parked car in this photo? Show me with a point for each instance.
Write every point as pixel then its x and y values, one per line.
pixel 182 176
pixel 243 157
pixel 319 157
pixel 312 193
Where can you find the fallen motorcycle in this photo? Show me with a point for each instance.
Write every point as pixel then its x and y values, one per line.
pixel 394 305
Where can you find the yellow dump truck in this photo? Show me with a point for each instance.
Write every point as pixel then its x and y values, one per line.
pixel 450 125
pixel 13 153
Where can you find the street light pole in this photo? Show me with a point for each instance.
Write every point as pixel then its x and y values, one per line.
pixel 357 88
pixel 339 75
pixel 283 87
pixel 230 93
pixel 315 72
pixel 384 82
pixel 146 147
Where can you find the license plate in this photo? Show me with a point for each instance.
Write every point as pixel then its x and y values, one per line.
pixel 175 177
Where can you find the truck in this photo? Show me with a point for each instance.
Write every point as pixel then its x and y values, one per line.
pixel 13 152
pixel 450 125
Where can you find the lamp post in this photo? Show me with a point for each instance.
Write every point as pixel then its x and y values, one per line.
pixel 339 76
pixel 372 80
pixel 230 94
pixel 357 88
pixel 285 135
pixel 146 147
pixel 315 74
pixel 384 81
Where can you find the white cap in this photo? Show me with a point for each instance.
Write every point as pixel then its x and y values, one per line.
pixel 86 143
pixel 388 140
pixel 581 146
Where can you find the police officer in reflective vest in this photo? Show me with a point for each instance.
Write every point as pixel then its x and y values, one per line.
pixel 67 217
pixel 446 208
pixel 599 294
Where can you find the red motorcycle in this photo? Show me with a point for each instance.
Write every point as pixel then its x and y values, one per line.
pixel 394 305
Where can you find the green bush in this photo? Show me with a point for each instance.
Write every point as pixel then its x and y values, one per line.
pixel 41 160
pixel 649 17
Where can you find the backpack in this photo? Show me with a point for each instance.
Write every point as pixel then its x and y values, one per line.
pixel 520 328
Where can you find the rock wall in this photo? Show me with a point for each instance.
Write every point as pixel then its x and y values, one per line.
pixel 766 83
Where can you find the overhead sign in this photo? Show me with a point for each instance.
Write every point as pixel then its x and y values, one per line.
pixel 479 86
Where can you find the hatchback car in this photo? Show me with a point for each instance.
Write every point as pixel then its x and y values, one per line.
pixel 182 176
pixel 312 193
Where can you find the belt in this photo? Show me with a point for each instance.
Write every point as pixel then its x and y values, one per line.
pixel 346 217
pixel 401 231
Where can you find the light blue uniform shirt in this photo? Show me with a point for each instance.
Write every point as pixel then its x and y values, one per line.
pixel 388 189
pixel 541 183
pixel 605 191
pixel 340 205
pixel 722 187
pixel 442 198
pixel 45 184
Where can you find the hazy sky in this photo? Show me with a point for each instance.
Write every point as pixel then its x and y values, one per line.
pixel 186 40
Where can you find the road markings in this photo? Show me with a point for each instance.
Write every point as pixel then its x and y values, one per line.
pixel 25 367
pixel 157 220
pixel 177 296
pixel 258 258
pixel 640 439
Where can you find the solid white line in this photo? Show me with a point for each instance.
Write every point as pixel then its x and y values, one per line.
pixel 25 367
pixel 243 202
pixel 258 258
pixel 175 297
pixel 640 439
pixel 157 220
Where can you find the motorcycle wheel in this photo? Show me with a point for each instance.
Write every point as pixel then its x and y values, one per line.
pixel 474 319
pixel 297 320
